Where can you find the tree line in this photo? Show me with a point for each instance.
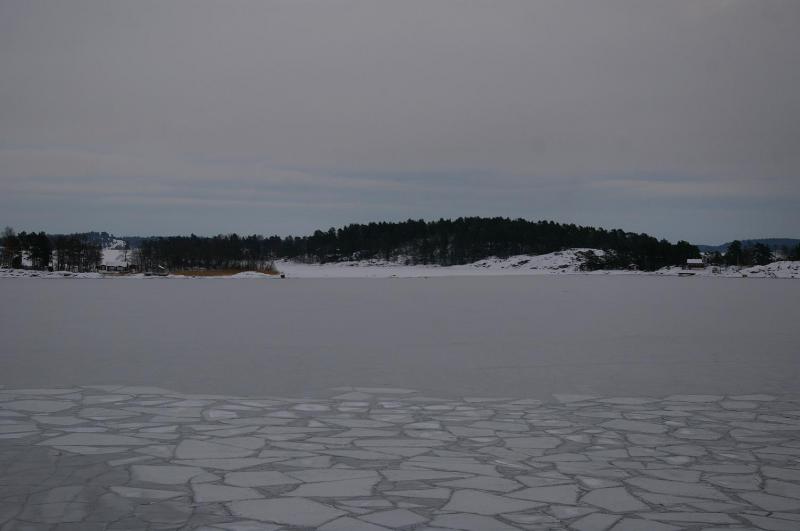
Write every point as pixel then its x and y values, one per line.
pixel 444 242
pixel 738 254
pixel 247 253
pixel 62 252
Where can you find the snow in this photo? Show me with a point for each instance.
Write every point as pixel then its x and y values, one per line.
pixel 243 274
pixel 781 269
pixel 113 254
pixel 557 263
pixel 113 257
pixel 252 274
pixel 560 262
pixel 566 262
pixel 27 273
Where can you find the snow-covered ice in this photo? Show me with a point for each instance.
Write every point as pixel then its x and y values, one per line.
pixel 466 336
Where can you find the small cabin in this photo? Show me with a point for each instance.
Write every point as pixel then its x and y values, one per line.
pixel 695 263
pixel 116 268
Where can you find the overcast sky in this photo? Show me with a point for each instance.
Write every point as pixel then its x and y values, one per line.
pixel 677 118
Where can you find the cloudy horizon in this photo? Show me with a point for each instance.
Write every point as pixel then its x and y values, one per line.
pixel 680 119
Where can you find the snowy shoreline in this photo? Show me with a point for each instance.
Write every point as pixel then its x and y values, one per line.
pixel 542 265
pixel 558 263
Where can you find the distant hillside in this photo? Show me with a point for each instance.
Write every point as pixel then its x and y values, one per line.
pixel 775 244
pixel 443 242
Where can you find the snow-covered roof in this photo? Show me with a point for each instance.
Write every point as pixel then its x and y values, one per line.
pixel 694 260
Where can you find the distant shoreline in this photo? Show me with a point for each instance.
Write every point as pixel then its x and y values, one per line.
pixel 542 265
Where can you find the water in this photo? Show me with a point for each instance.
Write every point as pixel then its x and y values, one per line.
pixel 479 336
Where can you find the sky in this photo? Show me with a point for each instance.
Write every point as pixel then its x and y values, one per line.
pixel 679 118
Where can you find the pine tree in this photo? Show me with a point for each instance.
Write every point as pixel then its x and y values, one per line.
pixel 733 256
pixel 12 249
pixel 761 254
pixel 40 251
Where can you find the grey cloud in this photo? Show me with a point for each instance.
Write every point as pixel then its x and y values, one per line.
pixel 287 115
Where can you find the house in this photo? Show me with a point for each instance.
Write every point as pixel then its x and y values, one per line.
pixel 695 263
pixel 106 268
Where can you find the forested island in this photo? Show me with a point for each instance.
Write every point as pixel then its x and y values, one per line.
pixel 443 242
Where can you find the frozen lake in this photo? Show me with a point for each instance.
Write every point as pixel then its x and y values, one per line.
pixel 479 336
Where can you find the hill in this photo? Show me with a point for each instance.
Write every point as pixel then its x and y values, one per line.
pixel 444 242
